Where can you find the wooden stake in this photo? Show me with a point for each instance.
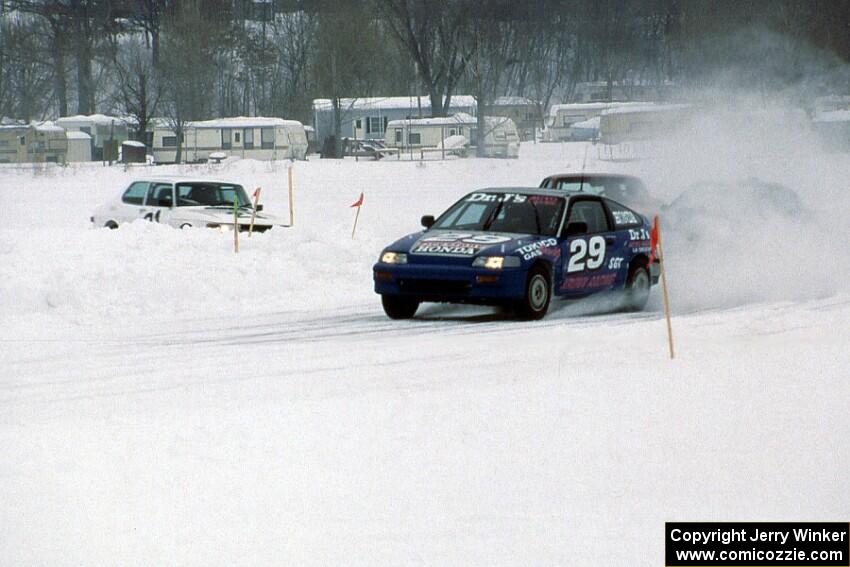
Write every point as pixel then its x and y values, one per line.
pixel 666 299
pixel 235 226
pixel 291 209
pixel 254 212
pixel 356 216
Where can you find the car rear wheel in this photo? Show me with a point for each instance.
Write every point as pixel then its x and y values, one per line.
pixel 399 307
pixel 538 295
pixel 637 289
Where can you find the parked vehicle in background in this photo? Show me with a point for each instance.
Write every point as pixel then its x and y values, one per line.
pixel 625 189
pixel 183 203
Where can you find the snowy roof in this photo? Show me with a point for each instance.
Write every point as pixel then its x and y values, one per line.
pixel 132 143
pixel 391 102
pixel 47 127
pixel 459 118
pixel 243 122
pixel 833 116
pixel 589 106
pixel 100 119
pixel 645 107
pixel 634 83
pixel 77 135
pixel 592 124
pixel 514 101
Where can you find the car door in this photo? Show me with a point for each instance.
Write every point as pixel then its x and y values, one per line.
pixel 158 203
pixel 132 201
pixel 632 238
pixel 589 263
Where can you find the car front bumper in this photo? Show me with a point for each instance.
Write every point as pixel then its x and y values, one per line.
pixel 454 284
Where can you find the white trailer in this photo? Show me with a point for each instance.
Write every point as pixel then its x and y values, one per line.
pixel 79 146
pixel 562 117
pixel 100 127
pixel 247 137
pixel 501 138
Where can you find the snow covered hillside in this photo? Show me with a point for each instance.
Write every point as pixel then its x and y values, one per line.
pixel 165 401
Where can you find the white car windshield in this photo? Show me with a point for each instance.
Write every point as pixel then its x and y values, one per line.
pixel 504 212
pixel 208 194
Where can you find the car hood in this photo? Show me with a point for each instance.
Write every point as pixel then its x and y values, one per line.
pixel 468 244
pixel 221 215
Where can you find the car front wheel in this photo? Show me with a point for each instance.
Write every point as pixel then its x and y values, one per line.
pixel 399 307
pixel 538 294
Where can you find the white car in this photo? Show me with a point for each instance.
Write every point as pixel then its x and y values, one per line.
pixel 183 203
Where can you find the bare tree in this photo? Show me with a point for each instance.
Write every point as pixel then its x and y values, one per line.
pixel 192 34
pixel 344 58
pixel 26 75
pixel 433 34
pixel 137 92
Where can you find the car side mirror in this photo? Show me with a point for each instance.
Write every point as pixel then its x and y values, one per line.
pixel 165 201
pixel 259 208
pixel 575 228
pixel 428 221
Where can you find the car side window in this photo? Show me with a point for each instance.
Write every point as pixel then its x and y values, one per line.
pixel 624 217
pixel 591 213
pixel 156 192
pixel 135 193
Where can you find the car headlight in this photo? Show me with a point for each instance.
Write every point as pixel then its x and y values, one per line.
pixel 394 258
pixel 496 262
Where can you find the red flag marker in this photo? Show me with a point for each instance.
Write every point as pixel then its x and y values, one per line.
pixel 357 204
pixel 653 240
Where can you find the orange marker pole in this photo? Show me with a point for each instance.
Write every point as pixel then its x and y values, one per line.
pixel 666 296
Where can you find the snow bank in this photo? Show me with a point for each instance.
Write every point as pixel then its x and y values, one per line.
pixel 55 267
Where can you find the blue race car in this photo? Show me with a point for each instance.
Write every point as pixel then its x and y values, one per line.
pixel 519 247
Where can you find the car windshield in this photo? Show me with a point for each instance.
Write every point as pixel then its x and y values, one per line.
pixel 592 186
pixel 504 212
pixel 211 195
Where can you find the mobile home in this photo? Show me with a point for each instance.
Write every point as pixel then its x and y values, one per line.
pixel 102 129
pixel 247 137
pixel 562 117
pixel 367 118
pixel 640 122
pixel 33 143
pixel 500 139
pixel 522 110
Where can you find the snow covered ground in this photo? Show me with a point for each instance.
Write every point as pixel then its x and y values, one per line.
pixel 164 401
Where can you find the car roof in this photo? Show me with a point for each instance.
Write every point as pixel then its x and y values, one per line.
pixel 586 176
pixel 533 191
pixel 181 179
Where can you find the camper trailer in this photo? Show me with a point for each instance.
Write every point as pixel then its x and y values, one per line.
pixel 104 130
pixel 562 117
pixel 33 143
pixel 255 138
pixel 500 138
pixel 640 122
pixel 79 146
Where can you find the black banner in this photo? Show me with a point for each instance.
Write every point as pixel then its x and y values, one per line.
pixel 757 544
